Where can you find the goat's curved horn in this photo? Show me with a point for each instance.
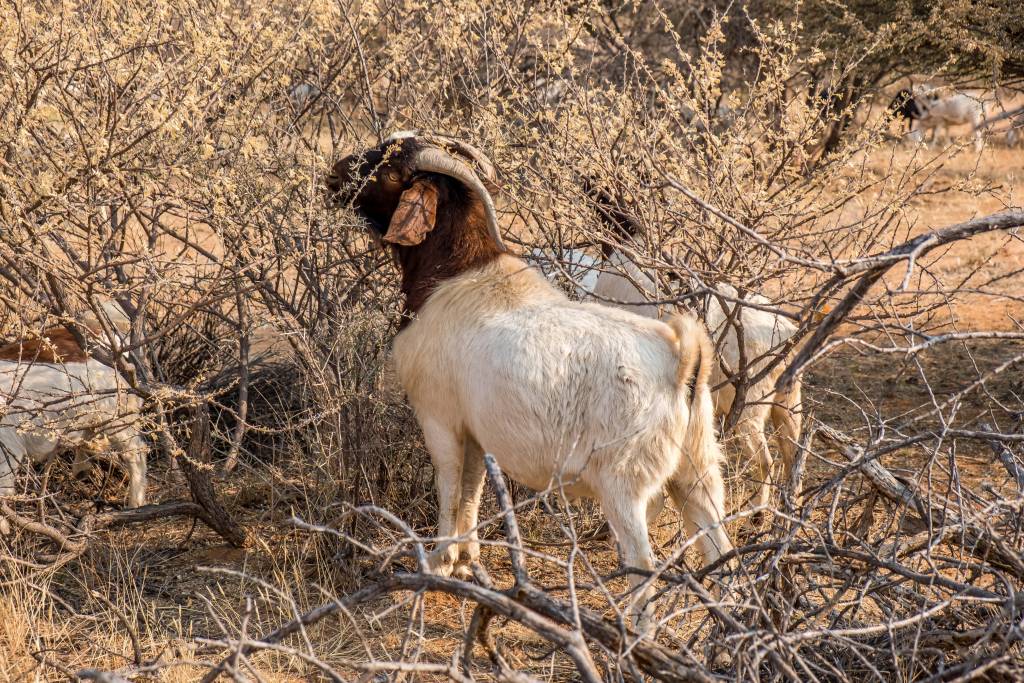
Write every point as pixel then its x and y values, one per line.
pixel 483 163
pixel 433 160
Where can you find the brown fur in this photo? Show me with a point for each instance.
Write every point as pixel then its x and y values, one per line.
pixel 459 242
pixel 436 227
pixel 57 345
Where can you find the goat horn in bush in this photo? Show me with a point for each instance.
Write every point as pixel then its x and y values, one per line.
pixel 433 160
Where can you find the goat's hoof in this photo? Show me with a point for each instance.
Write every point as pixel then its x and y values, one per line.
pixel 441 564
pixel 463 571
pixel 721 660
pixel 757 521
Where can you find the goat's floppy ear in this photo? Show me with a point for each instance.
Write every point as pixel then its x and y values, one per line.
pixel 415 215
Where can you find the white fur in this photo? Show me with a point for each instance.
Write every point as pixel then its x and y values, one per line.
pixel 576 265
pixel 82 406
pixel 576 395
pixel 943 111
pixel 622 283
pixel 110 328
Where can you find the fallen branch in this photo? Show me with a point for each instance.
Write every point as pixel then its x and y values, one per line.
pixel 148 513
pixel 977 540
pixel 42 529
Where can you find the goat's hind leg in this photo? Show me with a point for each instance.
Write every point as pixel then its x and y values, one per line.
pixel 132 450
pixel 700 501
pixel 135 462
pixel 627 517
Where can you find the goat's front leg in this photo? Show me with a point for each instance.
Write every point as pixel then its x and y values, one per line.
pixel 788 420
pixel 10 459
pixel 447 455
pixel 473 472
pixel 750 434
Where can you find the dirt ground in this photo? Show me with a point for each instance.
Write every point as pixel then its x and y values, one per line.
pixel 174 580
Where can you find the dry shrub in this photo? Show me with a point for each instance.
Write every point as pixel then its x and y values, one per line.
pixel 170 157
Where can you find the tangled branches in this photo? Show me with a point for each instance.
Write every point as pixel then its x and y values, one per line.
pixel 170 159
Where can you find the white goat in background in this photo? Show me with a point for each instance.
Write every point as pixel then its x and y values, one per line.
pixel 54 397
pixel 940 111
pixel 80 406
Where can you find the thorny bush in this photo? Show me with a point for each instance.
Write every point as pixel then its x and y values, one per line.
pixel 169 156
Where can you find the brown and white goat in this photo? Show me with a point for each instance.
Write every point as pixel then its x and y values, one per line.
pixel 55 397
pixel 587 398
pixel 58 344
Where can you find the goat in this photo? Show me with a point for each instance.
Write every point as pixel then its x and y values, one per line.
pixel 620 282
pixel 575 264
pixel 495 359
pixel 300 94
pixel 1013 131
pixel 55 397
pixel 943 111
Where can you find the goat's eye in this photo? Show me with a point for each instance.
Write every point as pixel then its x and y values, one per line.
pixel 392 176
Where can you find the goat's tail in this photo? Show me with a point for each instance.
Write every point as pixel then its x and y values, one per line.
pixel 696 361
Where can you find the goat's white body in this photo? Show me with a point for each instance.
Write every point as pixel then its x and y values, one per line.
pixel 551 387
pixel 111 328
pixel 622 283
pixel 941 112
pixel 563 394
pixel 82 406
pixel 763 334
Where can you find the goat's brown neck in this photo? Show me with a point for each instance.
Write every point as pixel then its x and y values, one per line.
pixel 458 243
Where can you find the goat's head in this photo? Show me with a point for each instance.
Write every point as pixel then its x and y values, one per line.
pixel 421 195
pixel 906 105
pixel 399 185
